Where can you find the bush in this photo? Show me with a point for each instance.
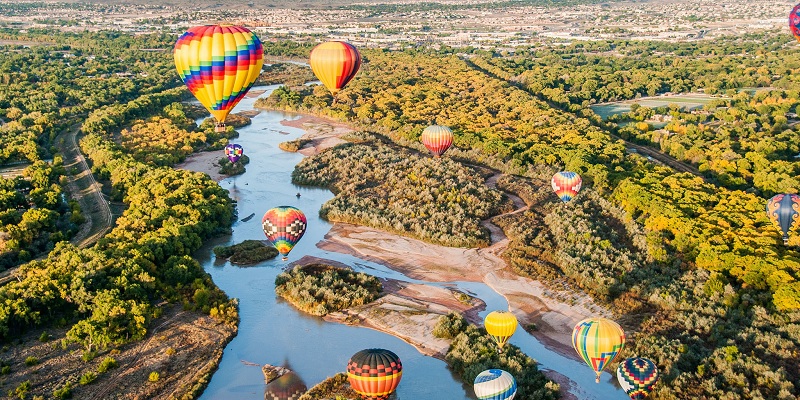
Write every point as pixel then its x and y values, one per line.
pixel 31 360
pixel 44 337
pixel 87 378
pixel 107 364
pixel 65 392
pixel 449 326
pixel 154 376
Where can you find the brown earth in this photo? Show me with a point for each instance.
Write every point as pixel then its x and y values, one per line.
pixel 183 347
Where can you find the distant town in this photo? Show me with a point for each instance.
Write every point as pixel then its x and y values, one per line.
pixel 399 24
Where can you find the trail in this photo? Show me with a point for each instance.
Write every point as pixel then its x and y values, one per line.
pixel 499 240
pixel 83 188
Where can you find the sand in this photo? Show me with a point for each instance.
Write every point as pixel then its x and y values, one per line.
pixel 204 162
pixel 322 132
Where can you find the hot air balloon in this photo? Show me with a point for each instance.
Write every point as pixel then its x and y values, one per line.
pixel 219 64
pixel 495 384
pixel 500 325
pixel 794 21
pixel 782 210
pixel 566 184
pixel 637 376
pixel 284 226
pixel 374 373
pixel 437 139
pixel 287 387
pixel 598 341
pixel 234 152
pixel 335 64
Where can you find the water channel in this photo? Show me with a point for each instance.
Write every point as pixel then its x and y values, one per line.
pixel 272 331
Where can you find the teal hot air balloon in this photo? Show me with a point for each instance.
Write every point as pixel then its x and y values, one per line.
pixel 637 377
pixel 495 384
pixel 782 210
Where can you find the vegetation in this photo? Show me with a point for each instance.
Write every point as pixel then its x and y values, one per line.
pixel 107 364
pixel 293 145
pixel 248 252
pixel 320 289
pixel 697 274
pixel 472 352
pixel 229 168
pixel 376 185
pixel 335 387
pixel 154 376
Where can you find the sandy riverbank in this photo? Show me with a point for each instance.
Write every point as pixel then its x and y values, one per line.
pixel 529 300
pixel 204 162
pixel 322 132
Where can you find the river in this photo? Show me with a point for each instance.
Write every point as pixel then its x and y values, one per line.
pixel 272 331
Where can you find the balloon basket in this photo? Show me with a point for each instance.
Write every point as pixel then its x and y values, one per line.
pixel 285 258
pixel 219 128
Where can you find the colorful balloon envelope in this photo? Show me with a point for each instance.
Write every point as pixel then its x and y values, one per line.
pixel 782 210
pixel 335 64
pixel 598 341
pixel 437 139
pixel 234 152
pixel 794 21
pixel 566 184
pixel 374 373
pixel 500 325
pixel 637 376
pixel 219 64
pixel 288 387
pixel 495 384
pixel 284 226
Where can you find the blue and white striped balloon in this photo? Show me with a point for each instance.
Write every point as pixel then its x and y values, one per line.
pixel 495 384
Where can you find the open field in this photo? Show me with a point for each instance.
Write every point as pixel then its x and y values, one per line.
pixel 687 102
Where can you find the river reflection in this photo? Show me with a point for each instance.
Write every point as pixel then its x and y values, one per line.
pixel 272 331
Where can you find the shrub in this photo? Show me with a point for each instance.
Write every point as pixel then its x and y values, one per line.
pixel 65 392
pixel 87 378
pixel 449 326
pixel 154 376
pixel 107 364
pixel 31 360
pixel 44 337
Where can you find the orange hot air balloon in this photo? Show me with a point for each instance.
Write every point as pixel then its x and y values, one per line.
pixel 219 64
pixel 374 373
pixel 335 64
pixel 437 139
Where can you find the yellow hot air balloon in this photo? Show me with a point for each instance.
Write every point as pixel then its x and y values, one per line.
pixel 335 64
pixel 219 64
pixel 598 341
pixel 500 325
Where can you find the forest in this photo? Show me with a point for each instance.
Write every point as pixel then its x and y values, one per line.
pixel 691 266
pixel 106 295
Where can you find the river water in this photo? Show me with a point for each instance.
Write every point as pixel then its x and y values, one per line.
pixel 272 331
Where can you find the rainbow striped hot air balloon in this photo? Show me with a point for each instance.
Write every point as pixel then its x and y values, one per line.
pixel 637 376
pixel 794 21
pixel 500 325
pixel 234 152
pixel 783 210
pixel 437 139
pixel 335 64
pixel 598 341
pixel 284 226
pixel 219 64
pixel 566 184
pixel 374 373
pixel 495 384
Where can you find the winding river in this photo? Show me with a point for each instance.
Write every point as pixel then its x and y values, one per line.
pixel 272 331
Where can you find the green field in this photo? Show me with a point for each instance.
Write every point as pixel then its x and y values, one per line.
pixel 686 102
